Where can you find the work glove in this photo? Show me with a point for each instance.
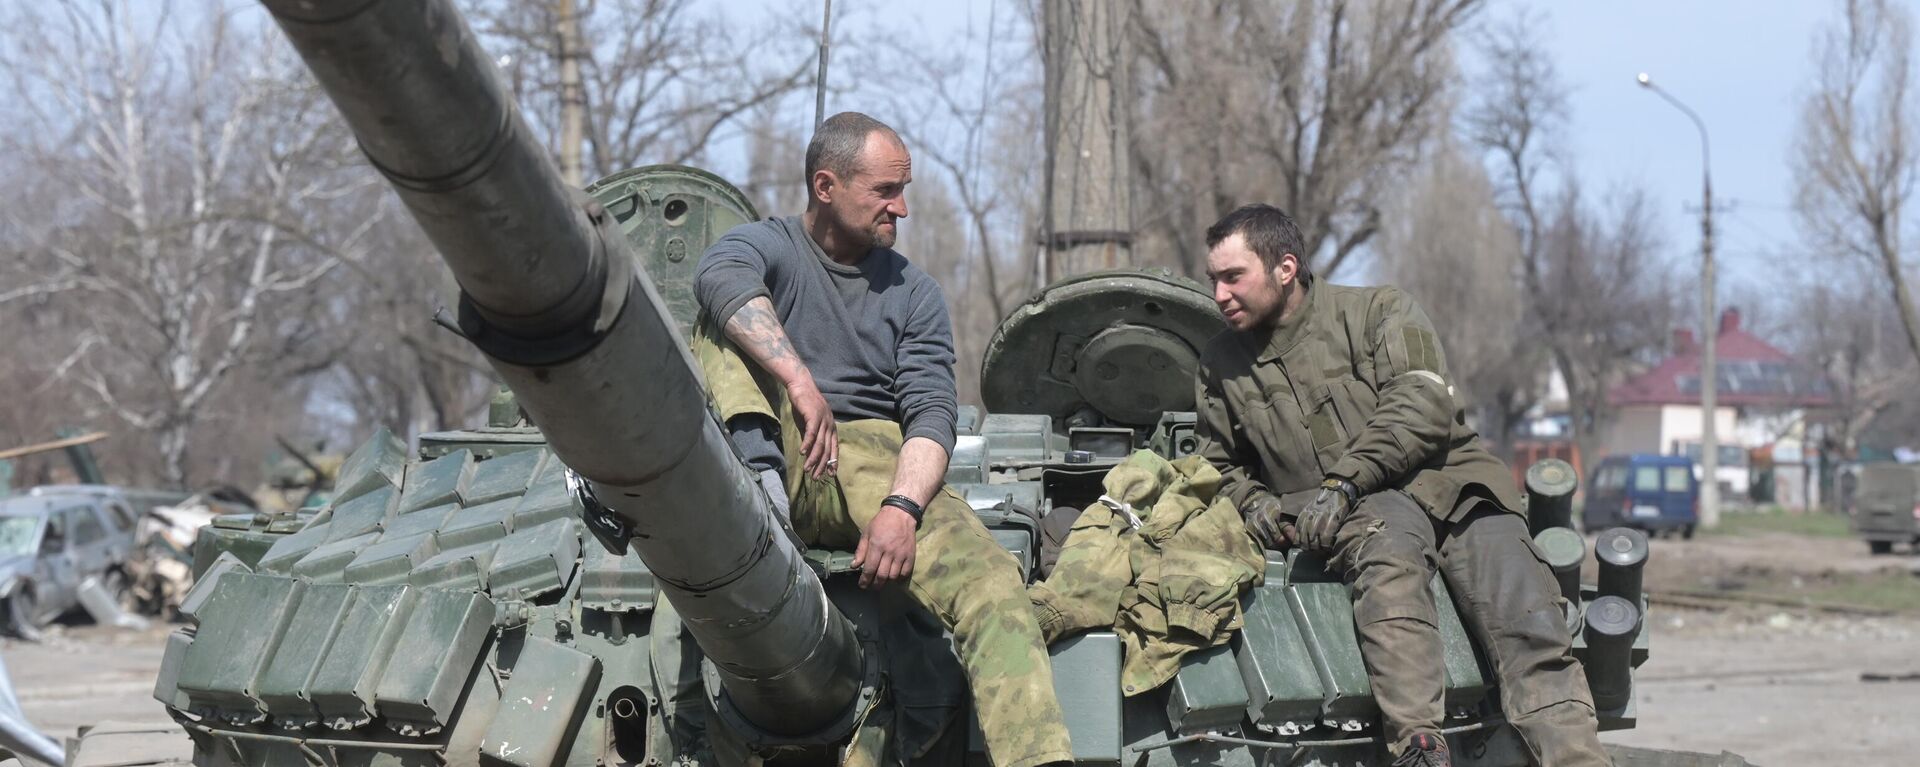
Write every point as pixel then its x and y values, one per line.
pixel 1268 520
pixel 1325 513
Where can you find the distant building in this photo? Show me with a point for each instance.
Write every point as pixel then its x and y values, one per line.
pixel 1761 406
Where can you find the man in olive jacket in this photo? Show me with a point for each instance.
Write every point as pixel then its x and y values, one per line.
pixel 1336 399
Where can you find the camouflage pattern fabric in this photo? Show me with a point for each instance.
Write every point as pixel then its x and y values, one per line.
pixel 960 574
pixel 1163 560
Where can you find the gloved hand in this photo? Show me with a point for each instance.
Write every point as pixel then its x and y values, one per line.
pixel 1269 521
pixel 1325 513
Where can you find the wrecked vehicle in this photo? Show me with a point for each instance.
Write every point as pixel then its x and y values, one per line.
pixel 53 542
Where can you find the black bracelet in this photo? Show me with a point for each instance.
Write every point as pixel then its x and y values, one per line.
pixel 907 505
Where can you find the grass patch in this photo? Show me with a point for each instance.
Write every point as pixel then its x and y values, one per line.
pixel 1815 524
pixel 1887 590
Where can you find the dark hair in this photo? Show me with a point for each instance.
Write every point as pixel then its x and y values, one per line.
pixel 837 143
pixel 1269 231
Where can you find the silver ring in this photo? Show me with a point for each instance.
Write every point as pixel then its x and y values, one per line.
pixel 833 462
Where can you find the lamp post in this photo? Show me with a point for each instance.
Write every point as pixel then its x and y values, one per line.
pixel 1709 370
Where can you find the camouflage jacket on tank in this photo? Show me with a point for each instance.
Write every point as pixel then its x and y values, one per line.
pixel 1355 386
pixel 1162 560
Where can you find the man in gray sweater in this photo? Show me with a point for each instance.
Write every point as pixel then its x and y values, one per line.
pixel 815 330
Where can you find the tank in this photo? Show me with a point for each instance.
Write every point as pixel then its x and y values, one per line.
pixel 487 598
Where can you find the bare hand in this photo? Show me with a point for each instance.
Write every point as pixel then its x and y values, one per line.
pixel 886 549
pixel 819 442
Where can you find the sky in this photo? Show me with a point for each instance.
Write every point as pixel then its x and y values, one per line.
pixel 1743 66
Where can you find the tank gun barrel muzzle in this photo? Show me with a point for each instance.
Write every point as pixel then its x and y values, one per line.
pixel 549 293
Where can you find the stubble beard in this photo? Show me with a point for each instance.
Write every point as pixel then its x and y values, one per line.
pixel 879 237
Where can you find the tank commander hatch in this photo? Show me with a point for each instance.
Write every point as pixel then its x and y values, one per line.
pixel 1329 413
pixel 830 357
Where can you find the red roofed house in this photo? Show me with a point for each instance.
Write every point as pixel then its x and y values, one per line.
pixel 1762 401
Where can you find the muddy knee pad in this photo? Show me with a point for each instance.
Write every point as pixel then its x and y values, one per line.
pixel 1390 570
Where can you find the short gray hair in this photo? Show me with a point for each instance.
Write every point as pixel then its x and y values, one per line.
pixel 837 143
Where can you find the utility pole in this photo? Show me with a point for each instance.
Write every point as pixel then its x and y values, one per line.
pixel 1089 216
pixel 573 94
pixel 820 76
pixel 1709 362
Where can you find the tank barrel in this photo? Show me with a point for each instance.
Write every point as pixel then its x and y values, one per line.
pixel 1550 486
pixel 550 294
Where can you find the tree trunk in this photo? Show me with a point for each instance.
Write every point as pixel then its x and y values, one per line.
pixel 173 451
pixel 1902 298
pixel 1089 200
pixel 573 95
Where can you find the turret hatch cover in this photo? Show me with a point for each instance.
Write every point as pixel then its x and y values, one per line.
pixel 1125 343
pixel 670 214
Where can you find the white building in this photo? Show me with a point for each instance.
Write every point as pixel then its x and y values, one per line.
pixel 1761 408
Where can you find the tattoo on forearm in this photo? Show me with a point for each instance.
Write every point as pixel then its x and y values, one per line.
pixel 755 328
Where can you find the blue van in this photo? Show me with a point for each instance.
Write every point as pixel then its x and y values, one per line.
pixel 1655 493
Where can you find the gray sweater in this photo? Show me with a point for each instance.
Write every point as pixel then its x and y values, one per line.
pixel 875 335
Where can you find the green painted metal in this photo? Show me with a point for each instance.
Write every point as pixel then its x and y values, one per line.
pixel 1124 343
pixel 1207 693
pixel 368 513
pixel 243 623
pixel 505 477
pixel 541 706
pixel 342 689
pixel 670 214
pixel 319 618
pixel 1279 674
pixel 379 462
pixel 1086 675
pixel 433 658
pixel 437 482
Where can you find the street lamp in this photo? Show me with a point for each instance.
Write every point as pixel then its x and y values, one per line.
pixel 1709 370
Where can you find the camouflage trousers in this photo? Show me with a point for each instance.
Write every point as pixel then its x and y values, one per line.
pixel 960 575
pixel 1390 548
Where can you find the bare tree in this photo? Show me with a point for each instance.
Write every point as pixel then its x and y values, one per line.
pixel 195 166
pixel 1604 286
pixel 1856 157
pixel 1314 106
pixel 971 121
pixel 659 79
pixel 1848 333
pixel 1446 243
pixel 1596 296
pixel 392 365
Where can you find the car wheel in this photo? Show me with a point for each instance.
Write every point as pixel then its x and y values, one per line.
pixel 1686 533
pixel 23 614
pixel 1880 547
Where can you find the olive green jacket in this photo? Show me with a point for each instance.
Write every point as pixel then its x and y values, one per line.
pixel 1353 386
